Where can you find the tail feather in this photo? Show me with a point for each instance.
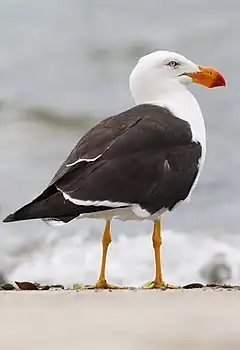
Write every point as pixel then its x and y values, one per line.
pixel 9 218
pixel 49 204
pixel 52 205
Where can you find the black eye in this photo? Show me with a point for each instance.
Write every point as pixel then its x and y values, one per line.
pixel 173 64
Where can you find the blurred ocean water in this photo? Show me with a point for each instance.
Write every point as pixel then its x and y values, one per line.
pixel 64 65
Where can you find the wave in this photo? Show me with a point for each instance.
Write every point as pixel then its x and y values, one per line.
pixel 75 258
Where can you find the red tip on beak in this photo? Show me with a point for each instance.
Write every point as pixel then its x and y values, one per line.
pixel 208 77
pixel 218 80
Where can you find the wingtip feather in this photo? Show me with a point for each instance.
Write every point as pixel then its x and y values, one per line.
pixel 9 218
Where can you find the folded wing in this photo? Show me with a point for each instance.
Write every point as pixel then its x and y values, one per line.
pixel 143 156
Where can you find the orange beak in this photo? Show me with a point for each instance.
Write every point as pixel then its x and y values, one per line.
pixel 207 77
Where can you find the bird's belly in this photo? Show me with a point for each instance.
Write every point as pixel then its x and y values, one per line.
pixel 124 214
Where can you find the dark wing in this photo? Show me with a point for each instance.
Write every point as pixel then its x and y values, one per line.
pixel 98 139
pixel 147 158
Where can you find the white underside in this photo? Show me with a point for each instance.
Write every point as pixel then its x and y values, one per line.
pixel 129 211
pixel 132 213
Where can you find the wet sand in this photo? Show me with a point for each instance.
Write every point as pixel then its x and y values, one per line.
pixel 69 320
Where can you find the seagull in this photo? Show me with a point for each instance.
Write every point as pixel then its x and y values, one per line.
pixel 137 164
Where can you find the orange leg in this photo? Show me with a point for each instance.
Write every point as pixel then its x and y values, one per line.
pixel 157 242
pixel 106 240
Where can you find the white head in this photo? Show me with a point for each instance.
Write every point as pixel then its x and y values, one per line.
pixel 164 72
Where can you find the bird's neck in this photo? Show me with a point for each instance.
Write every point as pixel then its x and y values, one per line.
pixel 184 106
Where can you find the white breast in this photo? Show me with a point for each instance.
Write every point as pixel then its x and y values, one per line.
pixel 184 105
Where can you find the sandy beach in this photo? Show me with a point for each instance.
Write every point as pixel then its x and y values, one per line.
pixel 69 320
